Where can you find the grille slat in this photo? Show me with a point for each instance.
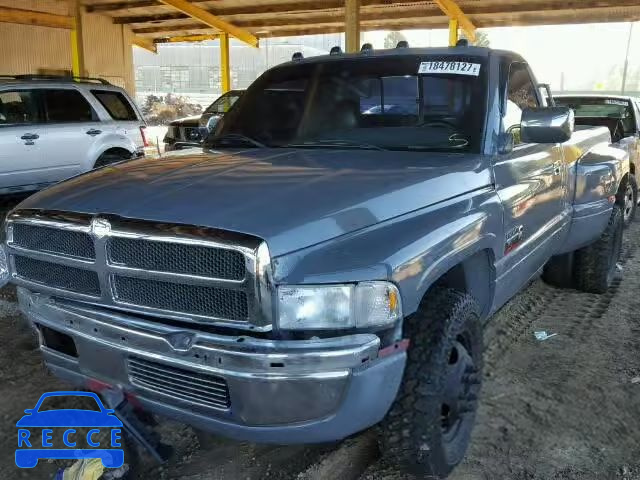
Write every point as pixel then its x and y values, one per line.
pixel 168 380
pixel 57 276
pixel 177 258
pixel 191 390
pixel 176 297
pixel 155 370
pixel 53 240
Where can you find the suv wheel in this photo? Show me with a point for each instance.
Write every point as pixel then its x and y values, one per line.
pixel 428 428
pixel 596 264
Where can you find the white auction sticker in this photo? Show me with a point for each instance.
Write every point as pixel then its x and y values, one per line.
pixel 452 68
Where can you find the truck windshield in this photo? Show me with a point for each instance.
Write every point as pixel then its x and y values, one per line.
pixel 369 103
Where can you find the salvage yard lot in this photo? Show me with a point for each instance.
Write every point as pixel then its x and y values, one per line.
pixel 564 408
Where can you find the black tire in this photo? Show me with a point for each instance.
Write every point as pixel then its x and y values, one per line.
pixel 428 428
pixel 596 264
pixel 629 200
pixel 558 272
pixel 109 158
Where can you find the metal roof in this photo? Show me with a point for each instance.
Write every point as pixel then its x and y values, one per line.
pixel 268 18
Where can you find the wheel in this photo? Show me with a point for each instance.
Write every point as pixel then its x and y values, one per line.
pixel 428 428
pixel 630 201
pixel 558 272
pixel 596 264
pixel 107 158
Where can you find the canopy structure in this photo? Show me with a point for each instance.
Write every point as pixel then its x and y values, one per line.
pixel 160 21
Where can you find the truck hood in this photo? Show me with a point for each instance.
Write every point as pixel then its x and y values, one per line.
pixel 290 198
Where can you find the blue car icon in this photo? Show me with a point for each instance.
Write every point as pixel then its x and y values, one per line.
pixel 32 446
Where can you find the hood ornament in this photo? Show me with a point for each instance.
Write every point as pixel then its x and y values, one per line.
pixel 100 227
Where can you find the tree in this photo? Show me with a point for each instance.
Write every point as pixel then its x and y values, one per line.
pixel 392 39
pixel 482 39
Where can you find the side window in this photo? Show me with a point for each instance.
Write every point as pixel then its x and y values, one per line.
pixel 521 94
pixel 66 106
pixel 18 107
pixel 116 104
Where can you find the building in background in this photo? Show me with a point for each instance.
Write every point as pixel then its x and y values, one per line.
pixel 193 70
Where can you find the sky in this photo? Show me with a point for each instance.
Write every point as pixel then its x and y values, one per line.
pixel 591 56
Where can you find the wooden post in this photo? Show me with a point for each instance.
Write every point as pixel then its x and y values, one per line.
pixel 77 49
pixel 225 70
pixel 453 32
pixel 352 25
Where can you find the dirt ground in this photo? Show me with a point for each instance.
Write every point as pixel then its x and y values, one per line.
pixel 564 408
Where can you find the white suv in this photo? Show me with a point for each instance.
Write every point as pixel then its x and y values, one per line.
pixel 52 128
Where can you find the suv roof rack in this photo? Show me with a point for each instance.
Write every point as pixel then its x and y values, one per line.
pixel 60 78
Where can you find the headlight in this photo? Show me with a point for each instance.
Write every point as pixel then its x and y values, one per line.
pixel 326 307
pixel 4 266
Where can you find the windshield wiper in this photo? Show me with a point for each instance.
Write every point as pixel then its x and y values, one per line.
pixel 335 143
pixel 229 139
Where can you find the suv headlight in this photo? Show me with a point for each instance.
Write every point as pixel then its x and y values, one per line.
pixel 326 307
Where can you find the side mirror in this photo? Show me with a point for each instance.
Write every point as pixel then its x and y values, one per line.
pixel 547 125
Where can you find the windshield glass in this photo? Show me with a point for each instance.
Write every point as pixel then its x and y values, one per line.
pixel 370 103
pixel 224 103
pixel 597 107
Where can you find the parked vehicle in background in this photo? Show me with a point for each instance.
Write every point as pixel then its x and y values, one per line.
pixel 190 132
pixel 320 267
pixel 52 128
pixel 621 115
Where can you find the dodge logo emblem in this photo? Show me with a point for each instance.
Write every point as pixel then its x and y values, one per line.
pixel 100 227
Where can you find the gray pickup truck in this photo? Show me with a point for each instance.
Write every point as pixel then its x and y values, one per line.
pixel 329 260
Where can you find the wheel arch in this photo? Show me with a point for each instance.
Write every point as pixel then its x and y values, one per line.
pixel 472 272
pixel 120 151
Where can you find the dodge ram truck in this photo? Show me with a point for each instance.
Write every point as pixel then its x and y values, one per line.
pixel 329 260
pixel 621 115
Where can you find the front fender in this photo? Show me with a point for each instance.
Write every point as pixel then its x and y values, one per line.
pixel 413 250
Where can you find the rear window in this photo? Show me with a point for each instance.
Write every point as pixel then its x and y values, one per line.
pixel 18 107
pixel 67 106
pixel 116 104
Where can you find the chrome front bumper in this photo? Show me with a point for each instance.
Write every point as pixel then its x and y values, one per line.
pixel 278 391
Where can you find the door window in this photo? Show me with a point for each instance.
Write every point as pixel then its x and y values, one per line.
pixel 67 106
pixel 18 107
pixel 116 104
pixel 521 94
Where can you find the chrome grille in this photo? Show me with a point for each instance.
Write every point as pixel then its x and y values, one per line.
pixel 177 258
pixel 52 240
pixel 179 272
pixel 188 385
pixel 190 299
pixel 58 276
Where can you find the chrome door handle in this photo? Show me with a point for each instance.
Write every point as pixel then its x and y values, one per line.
pixel 93 132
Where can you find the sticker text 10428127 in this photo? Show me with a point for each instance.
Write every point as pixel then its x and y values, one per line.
pixel 455 68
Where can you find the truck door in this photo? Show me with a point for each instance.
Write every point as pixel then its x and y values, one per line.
pixel 530 181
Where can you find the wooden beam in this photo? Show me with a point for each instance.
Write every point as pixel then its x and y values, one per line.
pixel 144 43
pixel 453 11
pixel 212 21
pixel 33 17
pixel 187 38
